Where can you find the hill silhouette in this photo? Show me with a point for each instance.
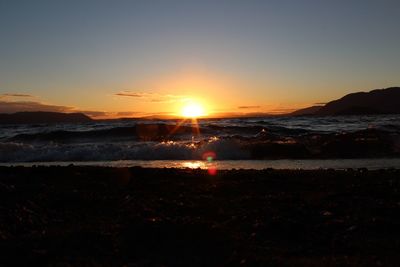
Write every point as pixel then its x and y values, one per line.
pixel 379 101
pixel 43 117
pixel 306 111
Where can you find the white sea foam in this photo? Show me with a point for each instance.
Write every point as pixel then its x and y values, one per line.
pixel 229 139
pixel 21 152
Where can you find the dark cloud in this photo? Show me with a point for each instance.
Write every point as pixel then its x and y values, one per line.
pixel 320 104
pixel 16 95
pixel 281 110
pixel 156 100
pixel 13 95
pixel 16 106
pixel 93 114
pixel 133 94
pixel 127 114
pixel 248 107
pixel 10 105
pixel 153 97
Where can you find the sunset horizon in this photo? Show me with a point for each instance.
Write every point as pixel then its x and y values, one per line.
pixel 183 107
pixel 136 59
pixel 200 133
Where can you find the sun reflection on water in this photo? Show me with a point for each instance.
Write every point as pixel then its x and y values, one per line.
pixel 211 167
pixel 194 164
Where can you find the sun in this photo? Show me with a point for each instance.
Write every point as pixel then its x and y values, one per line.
pixel 192 110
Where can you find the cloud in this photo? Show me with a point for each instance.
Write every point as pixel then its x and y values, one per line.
pixel 321 103
pixel 20 106
pixel 153 97
pixel 93 114
pixel 133 94
pixel 281 110
pixel 16 106
pixel 12 95
pixel 9 104
pixel 248 107
pixel 18 95
pixel 127 114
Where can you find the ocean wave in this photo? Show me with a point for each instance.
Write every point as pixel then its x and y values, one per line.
pixel 20 152
pixel 362 144
pixel 166 130
pixel 258 138
pixel 154 132
pixel 142 132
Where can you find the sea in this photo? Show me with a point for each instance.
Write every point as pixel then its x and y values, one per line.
pixel 338 142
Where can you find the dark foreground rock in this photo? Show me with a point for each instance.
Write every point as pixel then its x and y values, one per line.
pixel 90 216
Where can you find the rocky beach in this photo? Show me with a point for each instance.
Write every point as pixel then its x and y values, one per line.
pixel 94 216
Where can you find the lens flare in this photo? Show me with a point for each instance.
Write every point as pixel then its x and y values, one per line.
pixel 209 157
pixel 212 170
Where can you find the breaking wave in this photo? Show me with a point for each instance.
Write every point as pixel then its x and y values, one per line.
pixel 228 139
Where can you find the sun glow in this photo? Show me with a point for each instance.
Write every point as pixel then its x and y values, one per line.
pixel 193 110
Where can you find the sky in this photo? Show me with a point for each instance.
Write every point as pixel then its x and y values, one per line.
pixel 139 58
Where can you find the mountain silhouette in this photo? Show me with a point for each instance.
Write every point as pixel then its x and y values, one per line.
pixel 306 111
pixel 379 101
pixel 43 117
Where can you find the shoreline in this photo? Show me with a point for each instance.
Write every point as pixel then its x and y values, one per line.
pixel 103 216
pixel 279 164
